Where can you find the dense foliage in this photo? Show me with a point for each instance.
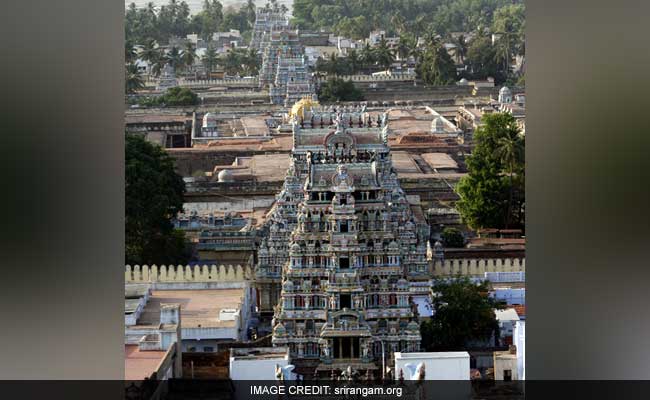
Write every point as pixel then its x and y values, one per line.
pixel 462 313
pixel 335 89
pixel 435 66
pixel 173 97
pixel 356 19
pixel 492 195
pixel 154 195
pixel 174 20
pixel 452 237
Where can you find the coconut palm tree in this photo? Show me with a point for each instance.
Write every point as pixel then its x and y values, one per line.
pixel 251 62
pixel 367 55
pixel 210 59
pixel 174 58
pixel 189 55
pixel 510 149
pixel 150 52
pixel 383 54
pixel 407 46
pixel 461 47
pixel 232 62
pixel 133 80
pixel 354 60
pixel 130 54
pixel 159 62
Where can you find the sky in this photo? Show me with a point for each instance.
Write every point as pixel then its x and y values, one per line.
pixel 195 5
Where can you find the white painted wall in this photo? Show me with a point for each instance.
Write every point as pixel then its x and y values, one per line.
pixel 520 341
pixel 453 365
pixel 255 369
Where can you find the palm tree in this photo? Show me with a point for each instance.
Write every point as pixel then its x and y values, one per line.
pixel 150 52
pixel 133 80
pixel 252 62
pixel 174 58
pixel 406 46
pixel 461 47
pixel 367 55
pixel 188 55
pixel 383 54
pixel 210 59
pixel 354 60
pixel 159 62
pixel 332 66
pixel 510 149
pixel 130 54
pixel 436 66
pixel 232 62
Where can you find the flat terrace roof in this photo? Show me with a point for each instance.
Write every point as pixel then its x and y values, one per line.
pixel 199 308
pixel 138 364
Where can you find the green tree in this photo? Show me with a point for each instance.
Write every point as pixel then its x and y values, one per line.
pixel 406 46
pixel 354 61
pixel 159 62
pixel 461 47
pixel 178 96
pixel 150 52
pixel 174 58
pixel 210 59
pixel 367 55
pixel 130 54
pixel 481 59
pixel 250 12
pixel 452 237
pixel 436 66
pixel 189 55
pixel 510 151
pixel 492 194
pixel 251 62
pixel 154 195
pixel 383 54
pixel 133 80
pixel 336 89
pixel 232 62
pixel 462 313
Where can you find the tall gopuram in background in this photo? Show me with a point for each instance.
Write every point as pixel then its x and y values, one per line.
pixel 356 255
pixel 284 70
pixel 265 22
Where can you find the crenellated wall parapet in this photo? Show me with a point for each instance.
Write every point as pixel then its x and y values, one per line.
pixel 477 267
pixel 185 273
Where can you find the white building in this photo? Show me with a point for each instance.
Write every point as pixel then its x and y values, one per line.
pixel 505 365
pixel 520 341
pixel 510 295
pixel 506 319
pixel 452 365
pixel 258 363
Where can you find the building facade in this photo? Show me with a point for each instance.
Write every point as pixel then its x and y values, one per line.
pixel 356 258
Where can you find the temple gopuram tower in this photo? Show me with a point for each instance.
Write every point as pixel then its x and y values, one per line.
pixel 353 257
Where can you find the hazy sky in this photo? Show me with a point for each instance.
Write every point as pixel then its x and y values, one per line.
pixel 195 5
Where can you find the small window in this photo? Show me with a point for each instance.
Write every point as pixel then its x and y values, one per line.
pixel 344 263
pixel 507 375
pixel 208 349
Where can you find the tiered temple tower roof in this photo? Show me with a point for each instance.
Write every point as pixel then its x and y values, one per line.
pixel 351 256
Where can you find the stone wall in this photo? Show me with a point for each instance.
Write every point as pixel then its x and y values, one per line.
pixel 477 267
pixel 185 274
